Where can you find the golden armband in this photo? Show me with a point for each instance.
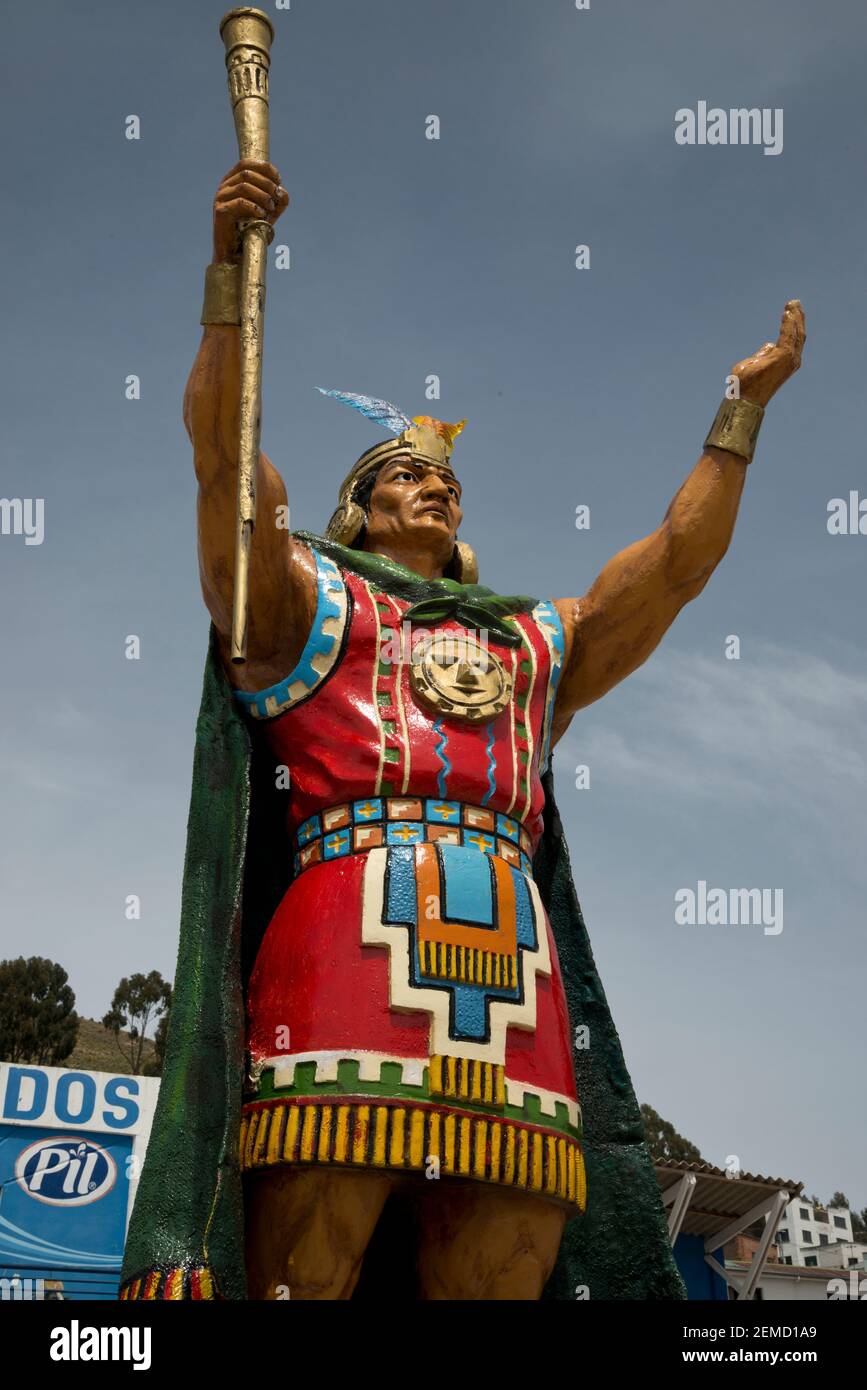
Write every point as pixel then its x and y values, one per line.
pixel 222 294
pixel 736 428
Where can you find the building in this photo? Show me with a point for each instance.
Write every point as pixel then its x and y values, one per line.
pixel 793 1282
pixel 812 1236
pixel 72 1144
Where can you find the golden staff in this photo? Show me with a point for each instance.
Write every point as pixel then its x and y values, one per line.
pixel 247 34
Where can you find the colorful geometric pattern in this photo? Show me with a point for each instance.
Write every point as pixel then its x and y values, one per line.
pixel 412 1080
pixel 550 625
pixel 466 1080
pixel 398 1137
pixel 524 674
pixel 395 749
pixel 370 822
pixel 175 1284
pixel 466 936
pixel 469 918
pixel 320 653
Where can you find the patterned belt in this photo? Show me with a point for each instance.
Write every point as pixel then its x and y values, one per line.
pixel 356 826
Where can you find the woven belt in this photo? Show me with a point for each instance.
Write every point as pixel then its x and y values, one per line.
pixel 356 826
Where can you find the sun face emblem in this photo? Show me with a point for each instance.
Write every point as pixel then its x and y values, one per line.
pixel 457 676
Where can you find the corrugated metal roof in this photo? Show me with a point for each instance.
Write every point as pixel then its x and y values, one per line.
pixel 774 1268
pixel 679 1166
pixel 718 1199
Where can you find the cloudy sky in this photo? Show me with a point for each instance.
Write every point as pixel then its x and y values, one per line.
pixel 456 257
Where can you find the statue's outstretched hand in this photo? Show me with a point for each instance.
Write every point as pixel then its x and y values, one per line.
pixel 762 375
pixel 251 189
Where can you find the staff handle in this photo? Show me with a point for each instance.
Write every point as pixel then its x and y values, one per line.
pixel 247 35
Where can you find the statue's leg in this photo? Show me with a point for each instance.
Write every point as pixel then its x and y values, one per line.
pixel 306 1230
pixel 479 1242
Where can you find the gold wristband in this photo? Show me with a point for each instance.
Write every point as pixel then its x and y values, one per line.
pixel 736 428
pixel 222 294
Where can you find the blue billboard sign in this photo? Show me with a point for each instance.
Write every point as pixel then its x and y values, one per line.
pixel 71 1148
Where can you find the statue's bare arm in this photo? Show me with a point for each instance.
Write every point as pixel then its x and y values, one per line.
pixel 621 619
pixel 282 578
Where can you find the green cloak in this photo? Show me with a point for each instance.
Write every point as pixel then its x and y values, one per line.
pixel 186 1233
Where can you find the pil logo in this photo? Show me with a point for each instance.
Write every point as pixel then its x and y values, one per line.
pixel 66 1171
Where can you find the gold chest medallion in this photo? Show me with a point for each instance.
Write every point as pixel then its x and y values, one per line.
pixel 455 675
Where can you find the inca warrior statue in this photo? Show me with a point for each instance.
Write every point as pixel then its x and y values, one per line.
pixel 385 1000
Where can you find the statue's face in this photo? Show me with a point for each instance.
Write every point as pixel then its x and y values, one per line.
pixel 415 503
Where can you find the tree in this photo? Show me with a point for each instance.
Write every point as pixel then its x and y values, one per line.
pixel 138 1001
pixel 664 1142
pixel 155 1066
pixel 859 1225
pixel 839 1200
pixel 38 1022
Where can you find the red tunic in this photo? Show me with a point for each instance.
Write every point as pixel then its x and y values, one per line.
pixel 406 1009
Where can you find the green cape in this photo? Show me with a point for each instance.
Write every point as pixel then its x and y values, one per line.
pixel 186 1234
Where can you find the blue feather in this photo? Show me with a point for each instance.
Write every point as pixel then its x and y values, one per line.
pixel 381 412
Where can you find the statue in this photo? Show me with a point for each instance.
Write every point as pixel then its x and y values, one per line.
pixel 385 993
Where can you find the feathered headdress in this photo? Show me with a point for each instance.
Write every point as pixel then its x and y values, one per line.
pixel 385 414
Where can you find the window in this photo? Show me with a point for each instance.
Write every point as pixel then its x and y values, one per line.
pixel 808 1239
pixel 823 1239
pixel 841 1222
pixel 783 1236
pixel 811 1260
pixel 805 1215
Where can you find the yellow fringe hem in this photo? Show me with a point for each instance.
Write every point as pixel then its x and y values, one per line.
pixel 414 1137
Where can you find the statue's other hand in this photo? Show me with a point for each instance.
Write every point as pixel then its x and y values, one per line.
pixel 251 189
pixel 763 374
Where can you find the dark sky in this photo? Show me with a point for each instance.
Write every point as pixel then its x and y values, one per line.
pixel 412 257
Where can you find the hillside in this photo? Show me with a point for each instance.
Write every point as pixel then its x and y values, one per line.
pixel 96 1050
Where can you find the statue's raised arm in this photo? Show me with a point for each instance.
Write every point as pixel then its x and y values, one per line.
pixel 282 595
pixel 621 619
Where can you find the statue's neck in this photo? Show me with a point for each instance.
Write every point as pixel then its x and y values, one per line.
pixel 424 565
